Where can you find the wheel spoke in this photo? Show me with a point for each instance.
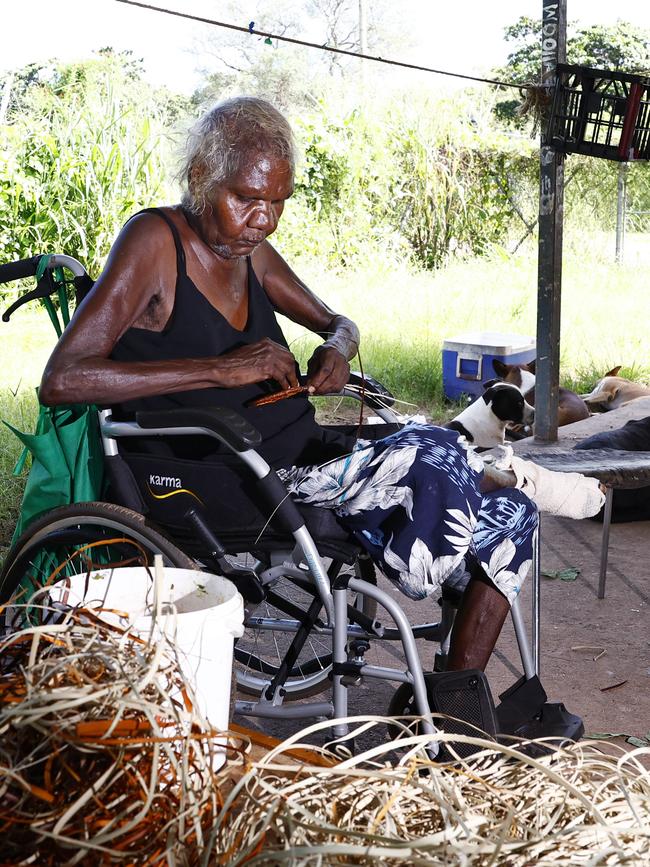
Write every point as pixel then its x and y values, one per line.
pixel 260 653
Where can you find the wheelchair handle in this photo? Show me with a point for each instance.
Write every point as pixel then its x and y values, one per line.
pixel 21 268
pixel 11 271
pixel 45 287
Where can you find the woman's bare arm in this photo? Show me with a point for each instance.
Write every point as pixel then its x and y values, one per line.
pixel 328 369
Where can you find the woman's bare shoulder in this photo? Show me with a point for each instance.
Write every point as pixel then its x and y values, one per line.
pixel 139 275
pixel 148 229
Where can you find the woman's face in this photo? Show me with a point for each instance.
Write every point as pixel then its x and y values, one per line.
pixel 245 209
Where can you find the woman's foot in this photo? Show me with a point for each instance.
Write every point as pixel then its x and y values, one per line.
pixel 568 495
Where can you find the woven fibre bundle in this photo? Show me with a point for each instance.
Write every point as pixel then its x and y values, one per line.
pixel 102 758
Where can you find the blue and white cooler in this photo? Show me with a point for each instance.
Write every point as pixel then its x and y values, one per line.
pixel 467 359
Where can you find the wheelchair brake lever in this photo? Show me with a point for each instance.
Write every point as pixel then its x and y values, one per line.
pixel 371 626
pixel 244 579
pixel 44 288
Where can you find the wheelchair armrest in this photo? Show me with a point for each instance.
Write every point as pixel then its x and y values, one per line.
pixel 235 431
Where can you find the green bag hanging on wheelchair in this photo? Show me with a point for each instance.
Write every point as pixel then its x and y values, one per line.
pixel 66 450
pixel 67 463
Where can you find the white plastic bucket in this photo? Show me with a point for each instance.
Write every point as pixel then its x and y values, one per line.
pixel 210 615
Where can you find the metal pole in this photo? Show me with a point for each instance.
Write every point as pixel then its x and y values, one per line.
pixel 537 598
pixel 621 208
pixel 604 545
pixel 551 212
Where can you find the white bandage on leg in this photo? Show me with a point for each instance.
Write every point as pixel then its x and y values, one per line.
pixel 567 495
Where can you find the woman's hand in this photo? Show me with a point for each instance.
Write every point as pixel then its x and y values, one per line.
pixel 327 371
pixel 256 362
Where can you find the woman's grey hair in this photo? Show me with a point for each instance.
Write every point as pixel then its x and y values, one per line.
pixel 221 141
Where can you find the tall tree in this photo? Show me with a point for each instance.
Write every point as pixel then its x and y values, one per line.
pixel 293 76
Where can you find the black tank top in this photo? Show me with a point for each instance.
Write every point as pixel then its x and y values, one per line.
pixel 196 329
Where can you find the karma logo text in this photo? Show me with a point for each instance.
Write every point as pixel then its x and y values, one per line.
pixel 165 481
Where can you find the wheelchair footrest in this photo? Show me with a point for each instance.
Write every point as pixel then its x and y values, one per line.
pixel 520 703
pixel 463 696
pixel 525 713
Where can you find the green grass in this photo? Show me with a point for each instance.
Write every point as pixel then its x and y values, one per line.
pixel 404 316
pixel 20 410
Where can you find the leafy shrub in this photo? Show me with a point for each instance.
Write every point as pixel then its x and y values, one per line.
pixel 86 150
pixel 405 180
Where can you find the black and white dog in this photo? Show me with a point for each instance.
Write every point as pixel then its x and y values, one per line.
pixel 484 422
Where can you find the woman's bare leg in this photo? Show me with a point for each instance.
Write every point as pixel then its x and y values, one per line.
pixel 478 624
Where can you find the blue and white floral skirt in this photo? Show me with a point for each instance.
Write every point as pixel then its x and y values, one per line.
pixel 412 500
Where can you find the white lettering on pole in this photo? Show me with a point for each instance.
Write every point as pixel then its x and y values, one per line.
pixel 549 43
pixel 547 156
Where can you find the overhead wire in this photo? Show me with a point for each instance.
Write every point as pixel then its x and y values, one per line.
pixel 252 31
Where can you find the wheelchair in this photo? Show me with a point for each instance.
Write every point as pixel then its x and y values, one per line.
pixel 311 592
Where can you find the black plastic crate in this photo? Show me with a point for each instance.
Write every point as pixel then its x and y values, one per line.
pixel 600 114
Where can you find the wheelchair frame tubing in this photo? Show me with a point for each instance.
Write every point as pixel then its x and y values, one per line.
pixel 293 651
pixel 522 639
pixel 339 655
pixel 408 643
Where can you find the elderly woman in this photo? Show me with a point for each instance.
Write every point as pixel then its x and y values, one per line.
pixel 184 314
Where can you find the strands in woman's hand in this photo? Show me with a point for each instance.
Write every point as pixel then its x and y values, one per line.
pixel 102 758
pixel 577 806
pixel 280 395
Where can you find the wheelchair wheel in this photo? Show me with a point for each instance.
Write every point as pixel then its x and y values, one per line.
pixel 260 652
pixel 80 537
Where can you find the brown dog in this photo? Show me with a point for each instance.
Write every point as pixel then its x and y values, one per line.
pixel 571 406
pixel 613 391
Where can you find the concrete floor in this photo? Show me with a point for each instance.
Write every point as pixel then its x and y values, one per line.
pixel 573 618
